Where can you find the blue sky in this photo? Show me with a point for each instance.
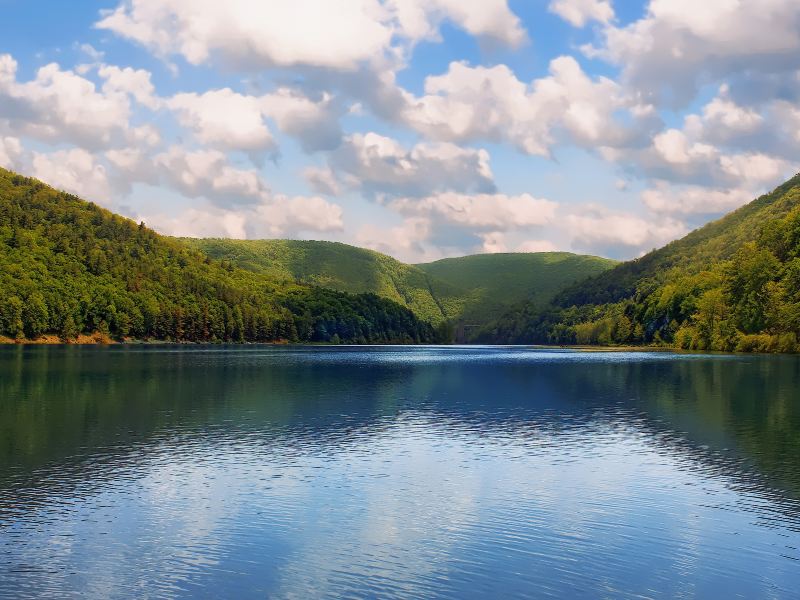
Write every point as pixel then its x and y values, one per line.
pixel 421 128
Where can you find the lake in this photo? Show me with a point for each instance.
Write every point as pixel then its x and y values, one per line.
pixel 397 472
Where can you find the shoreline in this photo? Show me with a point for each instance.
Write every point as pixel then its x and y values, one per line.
pixel 99 339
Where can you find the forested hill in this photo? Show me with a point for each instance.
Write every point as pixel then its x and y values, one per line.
pixel 468 289
pixel 340 267
pixel 493 283
pixel 68 267
pixel 733 284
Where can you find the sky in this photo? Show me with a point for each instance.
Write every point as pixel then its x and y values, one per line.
pixel 419 128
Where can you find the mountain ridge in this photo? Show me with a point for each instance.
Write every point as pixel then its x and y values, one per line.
pixel 447 290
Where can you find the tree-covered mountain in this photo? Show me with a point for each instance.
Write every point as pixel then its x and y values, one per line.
pixel 340 267
pixel 471 289
pixel 68 267
pixel 493 283
pixel 733 284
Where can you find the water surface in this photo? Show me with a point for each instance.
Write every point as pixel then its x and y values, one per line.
pixel 397 472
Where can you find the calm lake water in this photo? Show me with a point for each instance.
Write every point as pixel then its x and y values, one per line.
pixel 397 472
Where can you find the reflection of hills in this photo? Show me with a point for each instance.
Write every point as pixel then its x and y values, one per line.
pixel 69 415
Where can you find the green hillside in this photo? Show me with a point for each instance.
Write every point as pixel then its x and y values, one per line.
pixel 733 284
pixel 339 267
pixel 492 283
pixel 469 289
pixel 68 267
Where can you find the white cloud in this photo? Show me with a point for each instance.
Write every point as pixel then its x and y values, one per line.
pixel 724 146
pixel 451 224
pixel 469 103
pixel 231 121
pixel 674 147
pixel 224 119
pixel 680 45
pixel 208 174
pixel 537 246
pixel 420 19
pixel 280 216
pixel 281 33
pixel 493 242
pixel 136 82
pixel 74 171
pixel 580 12
pixel 597 229
pixel 488 212
pixel 676 156
pixel 314 122
pixel 322 180
pixel 10 152
pixel 406 242
pixel 692 200
pixel 285 214
pixel 771 127
pixel 61 106
pixel 290 33
pixel 234 201
pixel 380 166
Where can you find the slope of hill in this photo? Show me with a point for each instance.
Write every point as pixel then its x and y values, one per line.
pixel 732 284
pixel 68 267
pixel 493 283
pixel 469 289
pixel 340 267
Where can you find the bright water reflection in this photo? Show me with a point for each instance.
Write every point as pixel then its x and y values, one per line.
pixel 397 472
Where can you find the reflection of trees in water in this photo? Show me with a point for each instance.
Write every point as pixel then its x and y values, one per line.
pixel 71 414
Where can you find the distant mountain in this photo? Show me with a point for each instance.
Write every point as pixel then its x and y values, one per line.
pixel 339 267
pixel 733 284
pixel 472 289
pixel 492 283
pixel 68 267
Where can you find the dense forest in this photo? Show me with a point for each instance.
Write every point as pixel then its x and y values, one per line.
pixel 470 289
pixel 733 285
pixel 494 283
pixel 68 267
pixel 340 267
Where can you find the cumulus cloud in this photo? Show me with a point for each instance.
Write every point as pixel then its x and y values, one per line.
pixel 599 230
pixel 407 241
pixel 314 122
pixel 292 33
pixel 224 119
pixel 469 103
pixel 490 212
pixel 665 199
pixel 680 45
pixel 232 121
pixel 772 127
pixel 62 106
pixel 580 12
pixel 279 216
pixel 492 19
pixel 74 171
pixel 537 246
pixel 136 82
pixel 380 166
pixel 675 160
pixel 451 224
pixel 208 174
pixel 10 152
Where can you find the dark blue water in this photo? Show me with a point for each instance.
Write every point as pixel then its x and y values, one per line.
pixel 397 472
